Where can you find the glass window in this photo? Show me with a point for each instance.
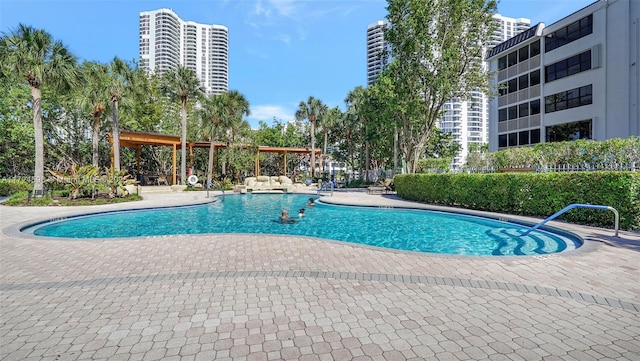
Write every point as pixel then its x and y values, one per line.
pixel 535 107
pixel 549 73
pixel 502 114
pixel 513 139
pixel 523 81
pixel 523 109
pixel 513 85
pixel 549 105
pixel 512 58
pixel 586 95
pixel 535 136
pixel 534 49
pixel 523 137
pixel 502 140
pixel 502 63
pixel 513 112
pixel 534 78
pixel 569 131
pixel 523 54
pixel 502 89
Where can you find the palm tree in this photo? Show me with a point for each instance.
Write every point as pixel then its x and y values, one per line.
pixel 356 104
pixel 237 106
pixel 212 114
pixel 120 78
pixel 181 84
pixel 42 61
pixel 93 96
pixel 332 118
pixel 311 110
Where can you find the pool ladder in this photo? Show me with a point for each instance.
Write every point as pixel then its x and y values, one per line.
pixel 577 205
pixel 214 185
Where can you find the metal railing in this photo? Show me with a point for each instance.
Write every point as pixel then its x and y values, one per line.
pixel 576 205
pixel 212 184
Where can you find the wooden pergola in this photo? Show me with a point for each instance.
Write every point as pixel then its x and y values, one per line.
pixel 137 139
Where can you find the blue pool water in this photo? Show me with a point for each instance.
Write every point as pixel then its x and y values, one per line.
pixel 412 230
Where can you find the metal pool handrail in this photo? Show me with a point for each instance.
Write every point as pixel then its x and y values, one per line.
pixel 577 205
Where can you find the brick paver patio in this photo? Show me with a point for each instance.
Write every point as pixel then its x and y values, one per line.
pixel 259 297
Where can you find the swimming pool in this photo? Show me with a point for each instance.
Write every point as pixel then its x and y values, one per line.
pixel 401 229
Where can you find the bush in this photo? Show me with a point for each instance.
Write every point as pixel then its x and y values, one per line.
pixel 532 194
pixel 11 186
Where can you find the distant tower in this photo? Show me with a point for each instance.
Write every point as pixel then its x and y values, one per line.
pixel 167 41
pixel 376 57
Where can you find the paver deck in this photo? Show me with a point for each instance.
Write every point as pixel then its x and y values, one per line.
pixel 269 297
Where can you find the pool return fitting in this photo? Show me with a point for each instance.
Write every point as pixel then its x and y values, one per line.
pixel 576 205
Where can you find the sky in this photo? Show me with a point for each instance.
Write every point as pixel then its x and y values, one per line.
pixel 280 51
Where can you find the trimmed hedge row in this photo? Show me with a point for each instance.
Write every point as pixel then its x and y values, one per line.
pixel 532 194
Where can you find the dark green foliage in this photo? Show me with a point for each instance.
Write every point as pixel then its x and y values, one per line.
pixel 12 186
pixel 532 194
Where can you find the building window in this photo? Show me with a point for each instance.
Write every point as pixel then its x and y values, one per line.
pixel 573 65
pixel 568 99
pixel 534 107
pixel 512 58
pixel 523 54
pixel 502 63
pixel 534 78
pixel 569 33
pixel 523 81
pixel 502 140
pixel 534 49
pixel 523 109
pixel 534 137
pixel 570 131
pixel 502 115
pixel 523 137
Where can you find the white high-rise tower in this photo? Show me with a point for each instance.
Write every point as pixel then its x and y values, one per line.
pixel 167 41
pixel 377 59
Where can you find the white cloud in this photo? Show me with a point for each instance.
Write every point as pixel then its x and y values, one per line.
pixel 266 113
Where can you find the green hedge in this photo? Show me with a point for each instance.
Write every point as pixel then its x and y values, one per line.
pixel 11 186
pixel 532 194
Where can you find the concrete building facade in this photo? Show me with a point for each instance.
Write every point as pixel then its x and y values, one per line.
pixel 166 41
pixel 377 58
pixel 574 79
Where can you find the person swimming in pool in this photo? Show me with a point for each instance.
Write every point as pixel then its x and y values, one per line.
pixel 311 202
pixel 284 217
pixel 301 213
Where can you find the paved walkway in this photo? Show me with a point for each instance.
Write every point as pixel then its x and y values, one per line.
pixel 257 297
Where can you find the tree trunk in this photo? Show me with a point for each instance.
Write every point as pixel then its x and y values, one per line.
pixel 96 138
pixel 313 147
pixel 116 137
pixel 395 149
pixel 324 152
pixel 210 163
pixel 38 174
pixel 183 151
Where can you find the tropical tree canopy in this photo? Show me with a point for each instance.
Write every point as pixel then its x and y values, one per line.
pixel 41 61
pixel 437 47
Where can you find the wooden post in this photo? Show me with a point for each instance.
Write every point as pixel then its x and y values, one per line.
pixel 285 164
pixel 138 148
pixel 175 161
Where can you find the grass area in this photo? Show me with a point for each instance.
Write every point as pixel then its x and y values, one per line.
pixel 21 199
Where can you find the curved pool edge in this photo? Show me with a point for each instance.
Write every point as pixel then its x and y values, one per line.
pixel 147 203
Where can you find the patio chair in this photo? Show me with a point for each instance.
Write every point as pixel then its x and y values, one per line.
pixel 162 179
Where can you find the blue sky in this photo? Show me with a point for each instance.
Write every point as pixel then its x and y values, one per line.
pixel 280 51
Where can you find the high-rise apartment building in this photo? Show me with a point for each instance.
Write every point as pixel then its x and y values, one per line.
pixel 577 78
pixel 167 41
pixel 377 58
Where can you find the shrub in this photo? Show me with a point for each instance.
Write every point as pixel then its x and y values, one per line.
pixel 11 186
pixel 532 194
